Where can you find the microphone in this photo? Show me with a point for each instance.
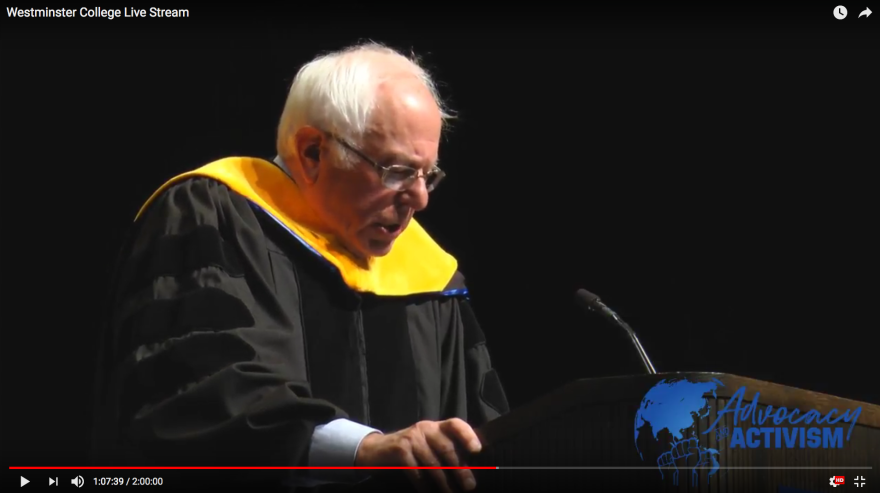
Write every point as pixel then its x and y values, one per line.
pixel 591 302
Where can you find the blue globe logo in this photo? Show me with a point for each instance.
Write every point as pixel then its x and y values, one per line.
pixel 668 415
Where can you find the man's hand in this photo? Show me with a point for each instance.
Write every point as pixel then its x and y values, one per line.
pixel 425 444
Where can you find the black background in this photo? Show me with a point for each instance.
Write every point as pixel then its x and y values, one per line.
pixel 711 174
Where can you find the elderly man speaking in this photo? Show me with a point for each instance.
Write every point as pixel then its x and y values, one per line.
pixel 294 313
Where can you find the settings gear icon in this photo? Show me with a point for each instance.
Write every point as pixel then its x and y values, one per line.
pixel 833 482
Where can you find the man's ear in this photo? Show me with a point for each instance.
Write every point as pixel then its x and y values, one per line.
pixel 309 141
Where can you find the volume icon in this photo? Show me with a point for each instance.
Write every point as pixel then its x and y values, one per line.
pixel 77 481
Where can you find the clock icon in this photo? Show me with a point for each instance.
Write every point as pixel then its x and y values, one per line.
pixel 840 12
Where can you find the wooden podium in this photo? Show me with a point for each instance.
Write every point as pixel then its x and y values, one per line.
pixel 582 437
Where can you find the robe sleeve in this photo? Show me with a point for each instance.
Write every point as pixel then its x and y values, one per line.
pixel 467 358
pixel 485 393
pixel 203 367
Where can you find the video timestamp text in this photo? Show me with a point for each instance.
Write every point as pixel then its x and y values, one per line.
pixel 127 481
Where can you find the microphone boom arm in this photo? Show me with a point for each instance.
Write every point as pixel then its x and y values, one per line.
pixel 632 335
pixel 592 302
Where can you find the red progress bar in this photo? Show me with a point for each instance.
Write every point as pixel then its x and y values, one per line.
pixel 232 468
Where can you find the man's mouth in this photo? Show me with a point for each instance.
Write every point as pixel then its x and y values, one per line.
pixel 388 228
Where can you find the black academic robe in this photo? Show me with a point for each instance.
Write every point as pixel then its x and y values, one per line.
pixel 228 341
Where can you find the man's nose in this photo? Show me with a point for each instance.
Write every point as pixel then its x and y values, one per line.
pixel 416 196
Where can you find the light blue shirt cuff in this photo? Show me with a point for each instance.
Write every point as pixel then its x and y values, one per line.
pixel 335 444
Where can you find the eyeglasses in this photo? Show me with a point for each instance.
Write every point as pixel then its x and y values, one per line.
pixel 397 177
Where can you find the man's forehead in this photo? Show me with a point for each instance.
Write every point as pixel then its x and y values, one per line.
pixel 405 124
pixel 406 103
pixel 392 147
pixel 408 159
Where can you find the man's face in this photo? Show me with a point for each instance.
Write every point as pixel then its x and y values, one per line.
pixel 354 204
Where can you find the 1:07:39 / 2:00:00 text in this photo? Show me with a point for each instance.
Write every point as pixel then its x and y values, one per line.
pixel 119 481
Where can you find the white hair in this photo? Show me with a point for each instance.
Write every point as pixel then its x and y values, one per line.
pixel 336 92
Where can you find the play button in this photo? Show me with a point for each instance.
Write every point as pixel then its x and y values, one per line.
pixel 24 481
